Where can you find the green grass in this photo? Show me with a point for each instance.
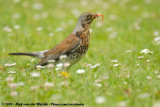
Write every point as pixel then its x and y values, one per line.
pixel 127 83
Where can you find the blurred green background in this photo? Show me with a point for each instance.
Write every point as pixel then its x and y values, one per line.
pixel 128 25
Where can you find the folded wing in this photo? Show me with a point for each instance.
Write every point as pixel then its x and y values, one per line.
pixel 63 48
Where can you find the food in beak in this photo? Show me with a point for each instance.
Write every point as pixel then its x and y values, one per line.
pixel 97 15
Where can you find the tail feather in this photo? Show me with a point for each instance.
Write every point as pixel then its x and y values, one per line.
pixel 25 53
pixel 39 54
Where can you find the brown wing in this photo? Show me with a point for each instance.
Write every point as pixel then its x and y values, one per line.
pixel 66 46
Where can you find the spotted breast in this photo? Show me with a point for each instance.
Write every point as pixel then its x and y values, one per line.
pixel 81 50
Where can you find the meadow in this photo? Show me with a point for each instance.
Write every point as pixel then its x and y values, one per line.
pixel 120 69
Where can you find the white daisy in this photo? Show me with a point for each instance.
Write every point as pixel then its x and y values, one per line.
pixel 59 65
pixel 109 29
pixel 158 76
pixel 122 104
pixel 57 69
pixel 113 17
pixel 33 88
pixel 158 42
pixel 146 51
pixel 16 15
pixel 50 65
pixel 13 93
pixel 37 6
pixel 39 28
pixel 156 39
pixel 80 71
pixel 105 77
pixel 16 26
pixel 156 33
pixel 114 60
pixel 11 72
pixel 44 15
pixel 64 83
pixel 67 64
pixel 95 66
pixel 35 74
pixel 138 65
pixel 98 84
pixel 9 79
pixel 7 29
pixel 128 76
pixel 113 34
pixel 51 34
pixel 116 65
pixel 12 85
pixel 33 60
pixel 128 51
pixel 100 99
pixel 98 24
pixel 16 1
pixel 39 66
pixel 156 72
pixel 59 29
pixel 149 77
pixel 48 84
pixel 125 82
pixel 63 57
pixel 8 64
pixel 52 61
pixel 91 30
pixel 148 60
pixel 88 65
pixel 56 96
pixel 98 80
pixel 140 57
pixel 20 84
pixel 143 95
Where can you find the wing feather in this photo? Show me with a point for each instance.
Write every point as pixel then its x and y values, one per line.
pixel 66 46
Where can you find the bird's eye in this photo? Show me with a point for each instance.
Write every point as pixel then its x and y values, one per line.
pixel 88 16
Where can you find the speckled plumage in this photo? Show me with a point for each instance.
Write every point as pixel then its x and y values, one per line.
pixel 81 50
pixel 74 46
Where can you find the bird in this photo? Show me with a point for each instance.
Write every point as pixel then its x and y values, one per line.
pixel 74 46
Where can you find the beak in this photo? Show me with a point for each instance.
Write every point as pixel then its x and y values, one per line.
pixel 97 15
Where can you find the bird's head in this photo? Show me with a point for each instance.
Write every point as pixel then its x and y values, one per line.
pixel 85 21
pixel 87 18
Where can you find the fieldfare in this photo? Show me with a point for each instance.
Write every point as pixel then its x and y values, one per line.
pixel 74 46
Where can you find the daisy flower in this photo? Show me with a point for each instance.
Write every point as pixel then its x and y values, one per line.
pixel 80 71
pixel 13 93
pixel 35 74
pixel 63 57
pixel 100 99
pixel 48 84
